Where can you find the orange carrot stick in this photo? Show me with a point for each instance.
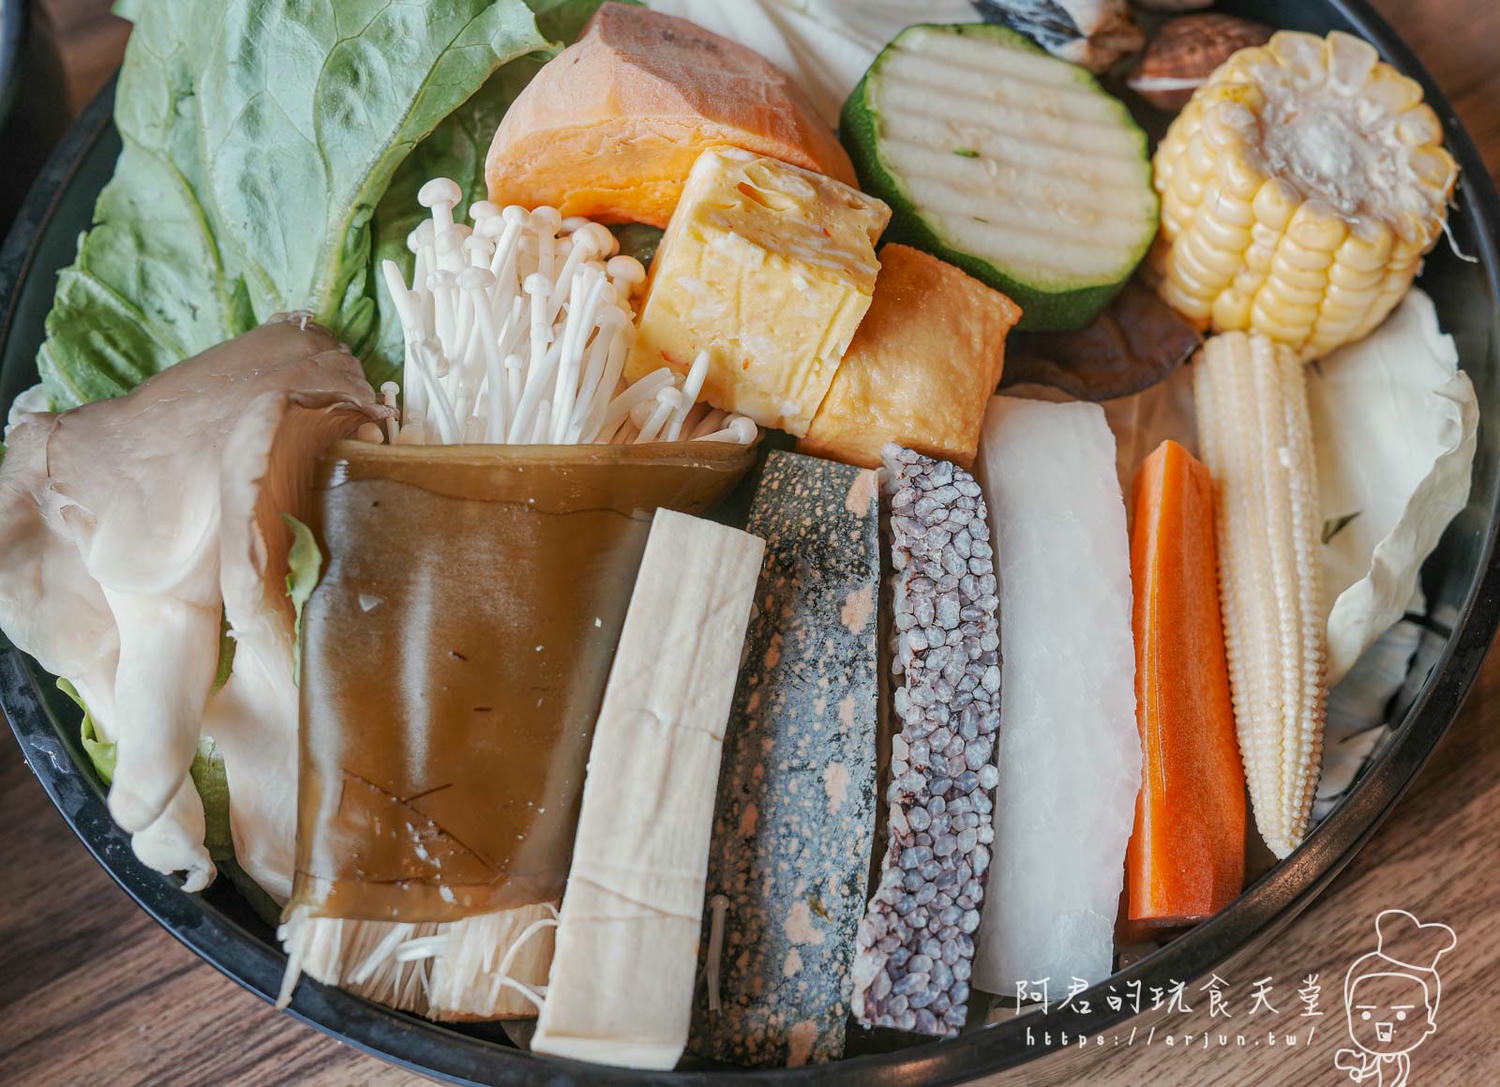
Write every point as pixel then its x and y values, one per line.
pixel 1186 858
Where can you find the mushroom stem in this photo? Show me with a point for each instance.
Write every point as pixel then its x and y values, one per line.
pixel 388 392
pixel 668 400
pixel 692 385
pixel 494 385
pixel 642 391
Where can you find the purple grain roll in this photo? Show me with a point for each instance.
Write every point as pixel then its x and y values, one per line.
pixel 915 945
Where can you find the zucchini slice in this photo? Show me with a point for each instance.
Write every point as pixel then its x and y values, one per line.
pixel 1014 165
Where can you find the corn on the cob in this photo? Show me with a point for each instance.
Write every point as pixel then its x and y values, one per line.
pixel 1300 188
pixel 1251 399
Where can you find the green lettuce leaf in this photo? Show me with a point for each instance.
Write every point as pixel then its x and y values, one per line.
pixel 638 240
pixel 304 564
pixel 264 905
pixel 101 752
pixel 563 20
pixel 258 139
pixel 213 788
pixel 207 772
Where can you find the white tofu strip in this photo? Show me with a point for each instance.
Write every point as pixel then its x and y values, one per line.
pixel 1070 753
pixel 621 987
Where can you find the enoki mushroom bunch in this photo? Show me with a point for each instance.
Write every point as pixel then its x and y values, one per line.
pixel 516 331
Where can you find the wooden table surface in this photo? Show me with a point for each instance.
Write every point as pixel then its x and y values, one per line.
pixel 92 991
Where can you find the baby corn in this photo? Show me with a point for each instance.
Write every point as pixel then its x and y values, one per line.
pixel 1251 399
pixel 1300 188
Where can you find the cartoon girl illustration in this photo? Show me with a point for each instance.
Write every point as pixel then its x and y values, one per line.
pixel 1391 996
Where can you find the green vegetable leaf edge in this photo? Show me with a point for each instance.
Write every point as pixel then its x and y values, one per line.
pixel 304 566
pixel 207 773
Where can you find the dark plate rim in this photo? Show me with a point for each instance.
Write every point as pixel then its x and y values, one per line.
pixel 13 22
pixel 1262 910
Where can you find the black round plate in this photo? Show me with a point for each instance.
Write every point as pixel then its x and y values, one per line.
pixel 1461 579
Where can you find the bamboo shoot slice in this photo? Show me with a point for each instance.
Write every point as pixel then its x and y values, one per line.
pixel 621 987
pixel 1070 752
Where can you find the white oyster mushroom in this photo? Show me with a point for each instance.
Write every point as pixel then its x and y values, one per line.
pixel 53 609
pixel 174 840
pixel 27 402
pixel 74 634
pixel 112 519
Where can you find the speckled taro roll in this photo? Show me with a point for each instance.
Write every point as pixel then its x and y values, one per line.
pixel 916 942
pixel 795 816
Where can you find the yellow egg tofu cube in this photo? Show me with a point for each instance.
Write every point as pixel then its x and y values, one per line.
pixel 769 268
